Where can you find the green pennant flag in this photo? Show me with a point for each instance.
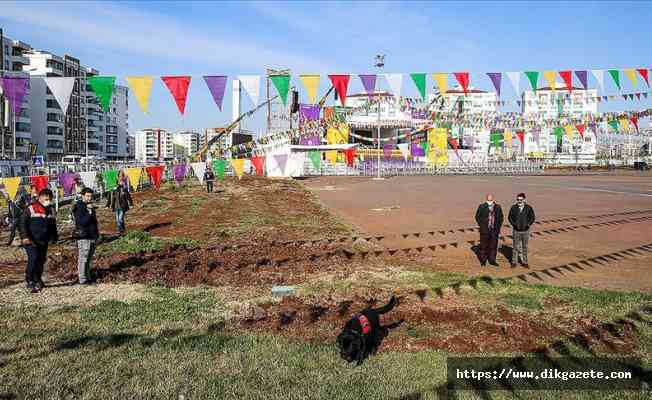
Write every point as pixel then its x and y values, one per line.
pixel 103 87
pixel 614 124
pixel 533 76
pixel 282 85
pixel 315 157
pixel 420 82
pixel 110 179
pixel 424 147
pixel 615 75
pixel 497 139
pixel 218 167
pixel 559 132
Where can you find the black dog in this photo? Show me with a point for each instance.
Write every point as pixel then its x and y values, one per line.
pixel 362 334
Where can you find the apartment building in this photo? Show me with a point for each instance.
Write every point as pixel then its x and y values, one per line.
pixel 153 144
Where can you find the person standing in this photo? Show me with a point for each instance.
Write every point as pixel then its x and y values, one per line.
pixel 16 209
pixel 489 218
pixel 209 178
pixel 521 217
pixel 38 227
pixel 86 233
pixel 120 201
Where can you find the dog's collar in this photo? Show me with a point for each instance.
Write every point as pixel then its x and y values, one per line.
pixel 364 322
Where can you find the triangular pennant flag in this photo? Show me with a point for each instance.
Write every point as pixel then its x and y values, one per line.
pixel 281 161
pixel 311 83
pixel 350 156
pixel 507 136
pixel 395 82
pixel 251 85
pixel 341 84
pixel 14 90
pixel 634 120
pixel 624 122
pixel 515 79
pixel 259 164
pixel 567 77
pixel 282 85
pixel 521 137
pixel 580 128
pixel 217 86
pixel 11 186
pixel 61 89
pixel 155 174
pixel 495 77
pixel 89 179
pixel 110 179
pixel 463 79
pixel 631 75
pixel 179 172
pixel 599 77
pixel 218 167
pixel 533 77
pixel 442 82
pixel 368 82
pixel 134 176
pixel 331 156
pixel 583 77
pixel 613 124
pixel 103 88
pixel 238 166
pixel 559 132
pixel 178 87
pixel 638 96
pixel 141 86
pixel 615 75
pixel 569 131
pixel 644 74
pixel 551 78
pixel 404 148
pixel 315 157
pixel 40 182
pixel 419 80
pixel 424 147
pixel 199 168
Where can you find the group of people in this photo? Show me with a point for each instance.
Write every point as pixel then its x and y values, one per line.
pixel 489 217
pixel 34 217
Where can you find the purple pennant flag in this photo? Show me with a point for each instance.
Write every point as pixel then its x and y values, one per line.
pixel 387 150
pixel 67 180
pixel 535 135
pixel 469 141
pixel 593 127
pixel 179 172
pixel 582 75
pixel 14 89
pixel 281 160
pixel 369 83
pixel 495 77
pixel 417 151
pixel 217 85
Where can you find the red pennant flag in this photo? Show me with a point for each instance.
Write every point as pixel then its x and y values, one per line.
pixel 644 74
pixel 568 79
pixel 463 79
pixel 521 136
pixel 634 120
pixel 39 182
pixel 259 163
pixel 341 84
pixel 638 96
pixel 178 86
pixel 350 156
pixel 453 143
pixel 155 174
pixel 580 128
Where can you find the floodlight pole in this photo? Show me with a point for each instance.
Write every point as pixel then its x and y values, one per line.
pixel 380 63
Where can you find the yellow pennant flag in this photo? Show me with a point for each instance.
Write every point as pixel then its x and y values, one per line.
pixel 142 88
pixel 508 138
pixel 631 75
pixel 551 79
pixel 442 81
pixel 11 186
pixel 331 156
pixel 311 82
pixel 625 124
pixel 569 131
pixel 134 177
pixel 238 166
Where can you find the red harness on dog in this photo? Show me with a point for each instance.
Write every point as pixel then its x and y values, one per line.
pixel 364 321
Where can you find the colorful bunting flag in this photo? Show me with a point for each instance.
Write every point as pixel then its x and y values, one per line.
pixel 419 80
pixel 103 88
pixel 463 79
pixel 14 89
pixel 395 82
pixel 259 164
pixel 251 85
pixel 442 82
pixel 567 77
pixel 559 132
pixel 615 75
pixel 61 88
pixel 551 78
pixel 599 77
pixel 155 173
pixel 613 124
pixel 515 79
pixel 631 75
pixel 331 156
pixel 89 179
pixel 341 84
pixel 199 168
pixel 634 120
pixel 134 176
pixel 238 166
pixel 521 137
pixel 179 172
pixel 141 86
pixel 218 167
pixel 644 74
pixel 580 128
pixel 178 87
pixel 311 83
pixel 403 148
pixel 281 161
pixel 282 85
pixel 110 179
pixel 217 86
pixel 368 82
pixel 11 186
pixel 349 154
pixel 507 137
pixel 496 78
pixel 315 157
pixel 533 77
pixel 569 131
pixel 583 77
pixel 39 182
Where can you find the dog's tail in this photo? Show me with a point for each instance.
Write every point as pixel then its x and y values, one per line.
pixel 393 302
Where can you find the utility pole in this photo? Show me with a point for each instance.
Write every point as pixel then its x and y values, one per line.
pixel 380 63
pixel 2 97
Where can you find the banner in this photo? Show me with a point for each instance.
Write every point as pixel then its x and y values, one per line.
pixel 103 88
pixel 308 112
pixel 395 82
pixel 110 179
pixel 217 86
pixel 507 136
pixel 89 179
pixel 178 87
pixel 141 87
pixel 218 167
pixel 251 85
pixel 419 80
pixel 438 147
pixel 61 89
pixel 311 83
pixel 282 85
pixel 39 182
pixel 416 150
pixel 198 168
pixel 14 90
pixel 341 84
pixel 238 166
pixel 11 186
pixel 133 174
pixel 155 174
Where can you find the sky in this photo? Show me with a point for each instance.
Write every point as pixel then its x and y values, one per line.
pixel 158 38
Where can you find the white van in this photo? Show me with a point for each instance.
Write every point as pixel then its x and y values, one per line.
pixel 70 160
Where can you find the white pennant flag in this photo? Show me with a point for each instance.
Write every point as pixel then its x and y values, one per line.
pixel 403 147
pixel 251 84
pixel 515 78
pixel 89 179
pixel 599 76
pixel 395 81
pixel 61 89
pixel 199 168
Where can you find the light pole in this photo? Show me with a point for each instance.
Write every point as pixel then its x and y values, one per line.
pixel 379 63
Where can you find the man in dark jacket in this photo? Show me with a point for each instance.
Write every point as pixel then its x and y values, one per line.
pixel 16 209
pixel 38 227
pixel 87 233
pixel 120 201
pixel 209 177
pixel 521 217
pixel 489 218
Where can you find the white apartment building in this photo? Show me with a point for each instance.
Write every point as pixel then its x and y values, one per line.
pixel 187 141
pixel 13 61
pixel 153 144
pixel 117 125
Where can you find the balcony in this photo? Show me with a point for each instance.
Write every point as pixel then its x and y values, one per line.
pixel 20 59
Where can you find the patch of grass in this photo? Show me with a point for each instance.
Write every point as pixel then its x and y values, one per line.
pixel 134 241
pixel 153 203
pixel 196 205
pixel 185 242
pixel 519 300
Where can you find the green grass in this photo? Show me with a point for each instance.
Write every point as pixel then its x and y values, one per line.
pixel 135 241
pixel 153 203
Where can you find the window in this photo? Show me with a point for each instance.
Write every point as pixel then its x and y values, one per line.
pixel 52 104
pixel 55 144
pixel 52 117
pixel 23 127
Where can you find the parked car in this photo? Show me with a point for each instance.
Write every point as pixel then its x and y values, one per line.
pixel 641 166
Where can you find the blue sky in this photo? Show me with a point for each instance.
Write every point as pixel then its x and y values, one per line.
pixel 209 38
